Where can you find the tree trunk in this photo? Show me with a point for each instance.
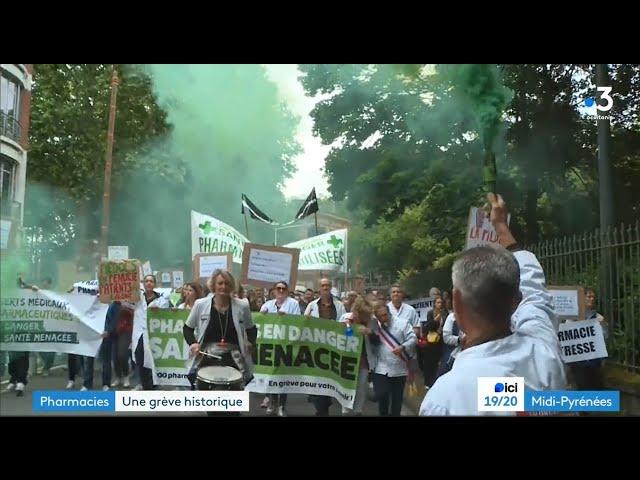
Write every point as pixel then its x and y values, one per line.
pixel 531 207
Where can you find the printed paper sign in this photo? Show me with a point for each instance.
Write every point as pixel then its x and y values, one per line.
pixel 178 278
pixel 118 253
pixel 204 264
pixel 263 265
pixel 582 340
pixel 568 301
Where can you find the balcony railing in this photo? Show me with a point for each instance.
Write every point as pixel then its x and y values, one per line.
pixel 10 127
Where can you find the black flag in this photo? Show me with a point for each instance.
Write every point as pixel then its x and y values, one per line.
pixel 309 206
pixel 254 211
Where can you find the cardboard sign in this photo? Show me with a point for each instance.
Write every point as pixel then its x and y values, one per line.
pixel 264 265
pixel 119 281
pixel 118 253
pixel 568 301
pixel 204 264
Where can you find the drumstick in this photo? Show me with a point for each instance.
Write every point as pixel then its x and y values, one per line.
pixel 210 355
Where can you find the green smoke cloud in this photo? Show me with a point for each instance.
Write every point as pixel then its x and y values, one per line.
pixel 230 134
pixel 480 88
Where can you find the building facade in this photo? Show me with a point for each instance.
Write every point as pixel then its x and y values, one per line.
pixel 15 108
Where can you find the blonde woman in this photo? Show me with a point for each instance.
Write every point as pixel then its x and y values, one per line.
pixel 361 318
pixel 221 319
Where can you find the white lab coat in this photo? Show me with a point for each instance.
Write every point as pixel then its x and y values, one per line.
pixel 290 306
pixel 199 320
pixel 140 327
pixel 407 312
pixel 532 352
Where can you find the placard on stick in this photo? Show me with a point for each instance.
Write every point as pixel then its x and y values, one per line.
pixel 264 265
pixel 568 301
pixel 118 252
pixel 204 264
pixel 177 278
pixel 119 281
pixel 480 232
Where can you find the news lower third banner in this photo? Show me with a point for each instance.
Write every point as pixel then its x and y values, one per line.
pixel 508 394
pixel 141 401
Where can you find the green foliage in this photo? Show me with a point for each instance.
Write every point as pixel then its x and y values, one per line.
pixel 399 131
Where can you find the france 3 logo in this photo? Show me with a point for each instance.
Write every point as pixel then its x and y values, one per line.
pixel 500 394
pixel 593 106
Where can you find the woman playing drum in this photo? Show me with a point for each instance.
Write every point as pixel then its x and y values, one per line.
pixel 223 327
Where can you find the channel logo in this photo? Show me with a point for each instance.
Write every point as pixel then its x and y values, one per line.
pixel 599 104
pixel 500 394
pixel 506 387
pixel 605 95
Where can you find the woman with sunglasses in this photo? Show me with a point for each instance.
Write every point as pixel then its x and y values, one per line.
pixel 283 304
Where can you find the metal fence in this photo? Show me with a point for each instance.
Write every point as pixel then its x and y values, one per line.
pixel 608 262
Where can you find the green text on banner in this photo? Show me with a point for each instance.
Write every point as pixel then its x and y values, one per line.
pixel 296 354
pixel 46 321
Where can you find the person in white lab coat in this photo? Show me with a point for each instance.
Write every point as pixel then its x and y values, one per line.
pixel 501 303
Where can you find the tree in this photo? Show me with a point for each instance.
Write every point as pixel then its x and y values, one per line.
pixel 398 132
pixel 68 140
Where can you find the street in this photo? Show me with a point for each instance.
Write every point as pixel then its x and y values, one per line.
pixel 12 405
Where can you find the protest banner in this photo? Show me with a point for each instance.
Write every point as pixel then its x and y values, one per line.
pixel 45 321
pixel 296 354
pixel 324 252
pixel 168 347
pixel 208 234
